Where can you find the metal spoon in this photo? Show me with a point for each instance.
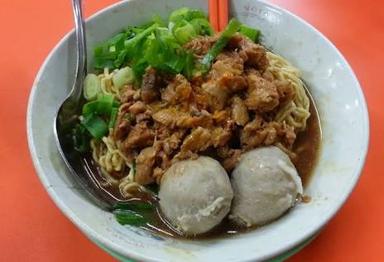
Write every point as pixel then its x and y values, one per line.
pixel 67 117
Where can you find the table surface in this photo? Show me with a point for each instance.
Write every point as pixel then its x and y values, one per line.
pixel 33 229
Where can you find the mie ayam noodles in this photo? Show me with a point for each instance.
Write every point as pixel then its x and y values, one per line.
pixel 215 124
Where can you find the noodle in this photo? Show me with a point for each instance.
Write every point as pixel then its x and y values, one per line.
pixel 296 112
pixel 107 86
pixel 110 159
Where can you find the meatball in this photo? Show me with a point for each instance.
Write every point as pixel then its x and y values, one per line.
pixel 195 195
pixel 265 185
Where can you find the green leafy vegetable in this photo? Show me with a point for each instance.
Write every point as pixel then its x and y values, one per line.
pixel 133 213
pixel 187 14
pixel 134 206
pixel 122 77
pixel 92 86
pixel 232 27
pixel 202 26
pixel 95 126
pixel 112 119
pixel 184 32
pixel 164 52
pixel 108 52
pixel 102 106
pixel 154 44
pixel 189 65
pixel 98 116
pixel 128 217
pixel 249 32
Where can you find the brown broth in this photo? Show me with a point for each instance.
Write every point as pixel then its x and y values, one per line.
pixel 306 147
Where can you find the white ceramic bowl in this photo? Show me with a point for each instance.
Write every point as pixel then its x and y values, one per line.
pixel 332 83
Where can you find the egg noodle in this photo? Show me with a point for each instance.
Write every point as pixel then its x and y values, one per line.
pixel 296 112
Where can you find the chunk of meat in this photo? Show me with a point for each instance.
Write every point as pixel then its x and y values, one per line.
pixel 144 116
pixel 144 166
pixel 220 136
pixel 232 83
pixel 227 72
pixel 158 174
pixel 173 142
pixel 227 63
pixel 239 111
pixel 286 91
pixel 254 133
pixel 149 92
pixel 122 129
pixel 230 157
pixel 124 108
pixel 179 90
pixel 127 93
pixel 172 117
pixel 200 45
pixel 169 116
pixel 267 75
pixel 165 160
pixel 137 108
pixel 262 95
pixel 198 140
pixel 182 87
pixel 253 54
pixel 217 96
pixel 220 117
pixel 286 133
pixel 258 132
pixel 139 137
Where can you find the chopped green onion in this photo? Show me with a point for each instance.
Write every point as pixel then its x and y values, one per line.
pixel 189 65
pixel 184 33
pixel 160 46
pixel 186 13
pixel 122 77
pixel 109 51
pixel 228 32
pixel 92 86
pixel 249 32
pixel 112 120
pixel 95 126
pixel 202 26
pixel 134 206
pixel 128 217
pixel 120 58
pixel 132 44
pixel 102 106
pixel 128 213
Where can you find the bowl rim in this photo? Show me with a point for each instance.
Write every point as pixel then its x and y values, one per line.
pixel 91 234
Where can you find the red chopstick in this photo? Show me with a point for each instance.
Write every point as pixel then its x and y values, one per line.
pixel 223 11
pixel 214 14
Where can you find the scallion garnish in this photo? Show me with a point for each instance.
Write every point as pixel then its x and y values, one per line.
pixel 95 126
pixel 224 38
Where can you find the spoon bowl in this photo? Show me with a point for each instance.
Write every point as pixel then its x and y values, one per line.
pixel 68 116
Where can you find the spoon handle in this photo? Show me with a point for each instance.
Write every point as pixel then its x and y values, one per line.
pixel 81 63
